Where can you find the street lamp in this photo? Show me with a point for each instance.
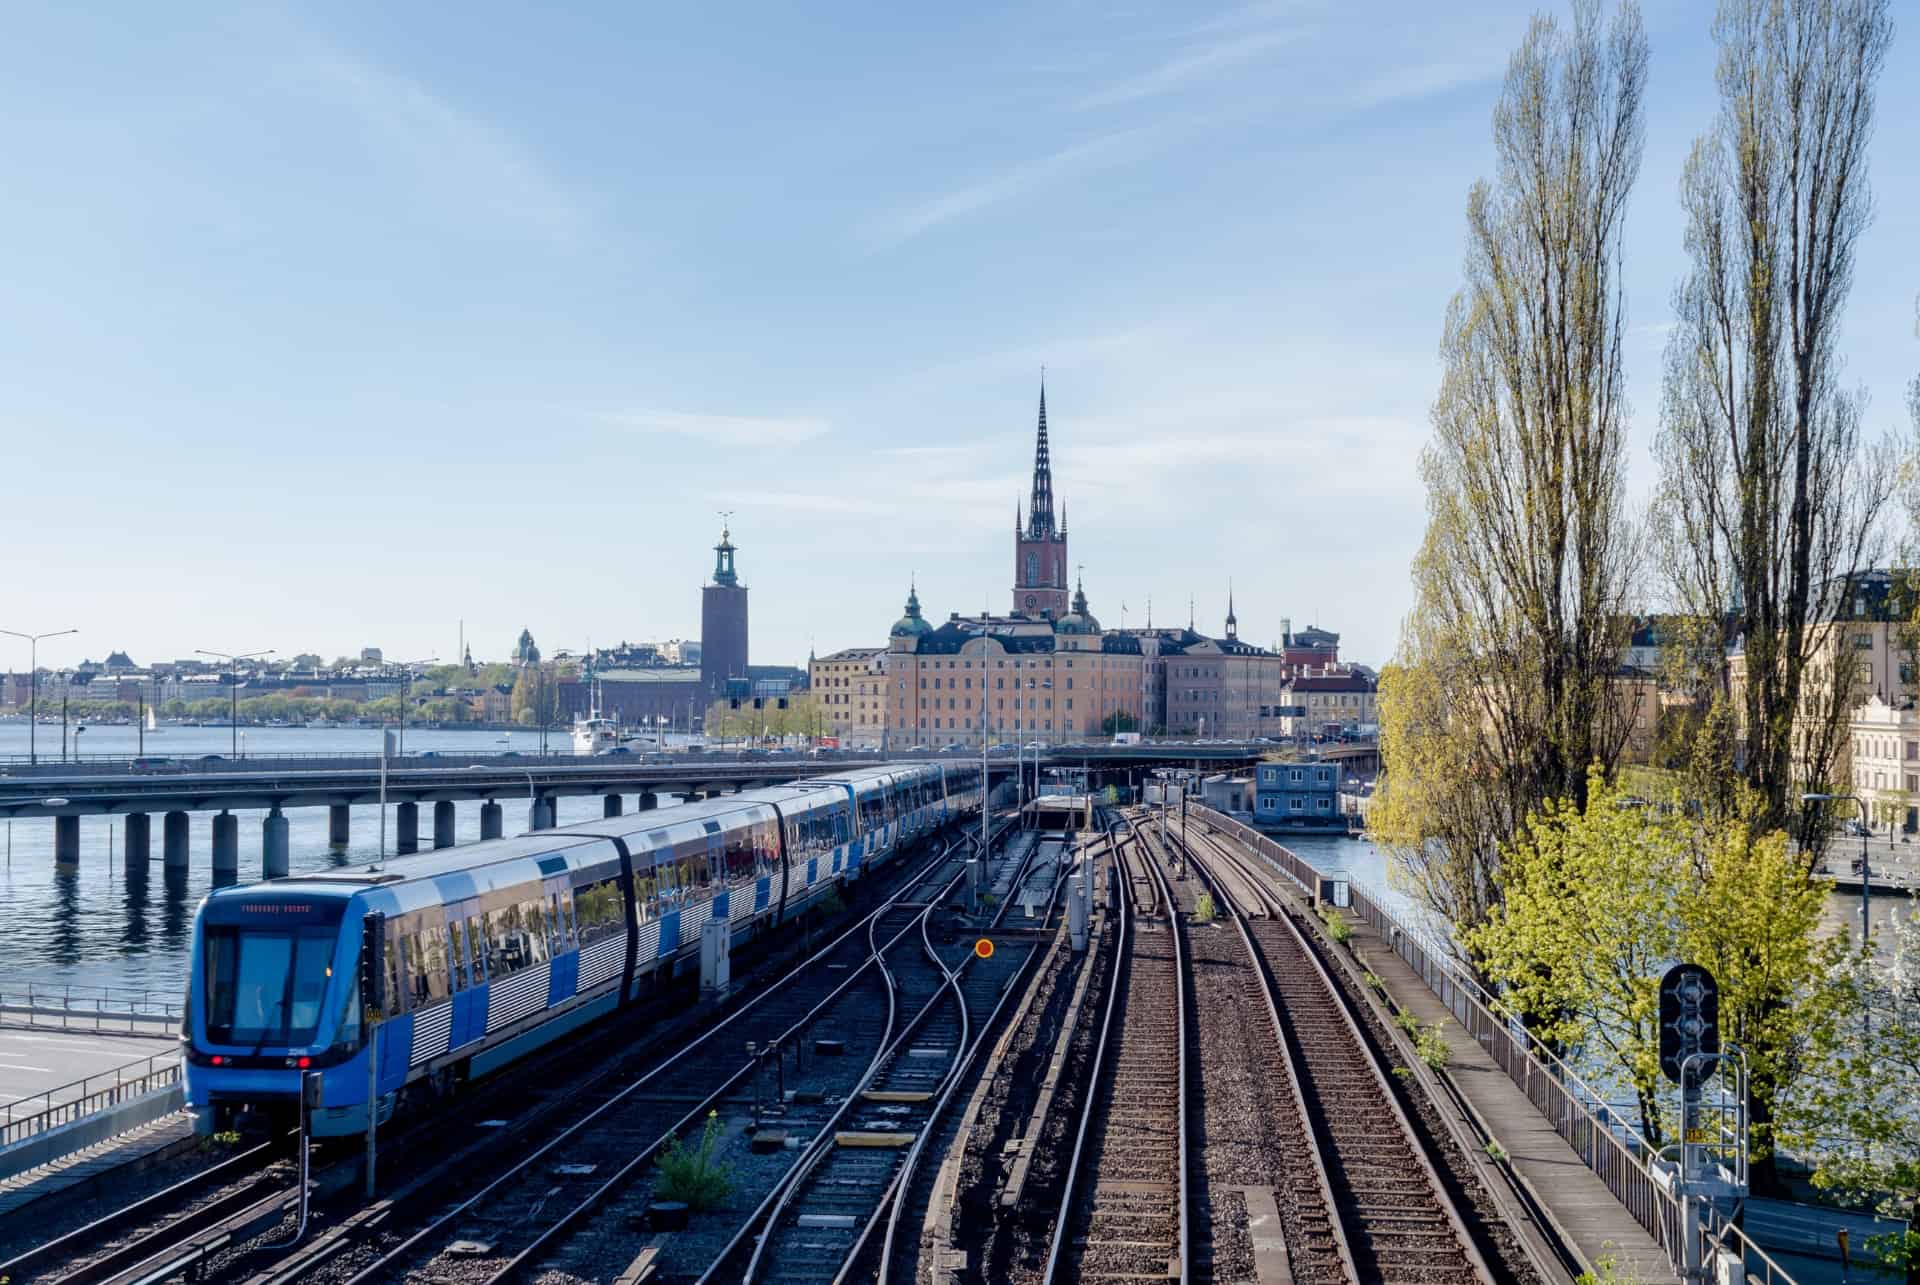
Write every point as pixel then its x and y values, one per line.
pixel 33 677
pixel 1866 871
pixel 233 686
pixel 406 695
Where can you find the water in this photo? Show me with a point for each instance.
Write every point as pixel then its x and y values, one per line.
pixel 101 925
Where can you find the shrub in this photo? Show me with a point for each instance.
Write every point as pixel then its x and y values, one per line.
pixel 1407 1022
pixel 1203 910
pixel 1495 1152
pixel 1337 926
pixel 691 1175
pixel 1431 1045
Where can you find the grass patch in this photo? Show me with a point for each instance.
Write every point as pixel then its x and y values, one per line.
pixel 691 1175
pixel 1337 926
pixel 1203 909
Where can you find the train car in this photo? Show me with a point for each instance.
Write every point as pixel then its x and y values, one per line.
pixel 487 952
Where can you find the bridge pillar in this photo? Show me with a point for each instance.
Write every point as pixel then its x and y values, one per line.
pixel 173 840
pixel 339 824
pixel 406 828
pixel 226 847
pixel 649 801
pixel 610 805
pixel 443 823
pixel 139 840
pixel 66 841
pixel 490 827
pixel 540 814
pixel 273 846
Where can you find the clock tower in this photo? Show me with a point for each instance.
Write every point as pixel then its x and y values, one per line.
pixel 1040 548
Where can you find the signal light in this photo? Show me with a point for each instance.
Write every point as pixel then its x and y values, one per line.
pixel 304 1063
pixel 217 1060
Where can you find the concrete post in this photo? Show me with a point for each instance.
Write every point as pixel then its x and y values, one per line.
pixel 649 801
pixel 490 826
pixel 226 847
pixel 443 823
pixel 139 840
pixel 339 824
pixel 540 814
pixel 610 805
pixel 66 841
pixel 406 820
pixel 173 840
pixel 273 846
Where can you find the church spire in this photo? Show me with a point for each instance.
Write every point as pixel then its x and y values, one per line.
pixel 1040 514
pixel 1233 624
pixel 723 572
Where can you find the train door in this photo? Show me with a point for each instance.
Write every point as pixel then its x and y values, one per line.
pixel 563 945
pixel 467 963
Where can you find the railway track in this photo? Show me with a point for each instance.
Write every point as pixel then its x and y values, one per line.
pixel 528 1209
pixel 841 1195
pixel 1124 1204
pixel 1386 1215
pixel 214 1234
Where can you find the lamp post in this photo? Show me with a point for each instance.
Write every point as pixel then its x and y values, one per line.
pixel 233 686
pixel 33 678
pixel 1866 870
pixel 406 695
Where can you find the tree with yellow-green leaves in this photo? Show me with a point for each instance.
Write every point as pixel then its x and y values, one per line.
pixel 1598 901
pixel 1502 695
pixel 803 716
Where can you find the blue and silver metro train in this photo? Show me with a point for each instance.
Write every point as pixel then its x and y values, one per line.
pixel 489 951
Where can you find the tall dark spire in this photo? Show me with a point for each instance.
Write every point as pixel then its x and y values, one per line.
pixel 1233 624
pixel 1040 511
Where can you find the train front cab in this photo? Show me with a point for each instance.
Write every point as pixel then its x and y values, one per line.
pixel 273 993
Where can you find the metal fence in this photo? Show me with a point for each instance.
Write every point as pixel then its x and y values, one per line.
pixel 121 1010
pixel 1609 1146
pixel 78 1099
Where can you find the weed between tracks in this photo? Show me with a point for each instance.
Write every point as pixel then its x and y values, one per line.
pixel 1337 926
pixel 691 1175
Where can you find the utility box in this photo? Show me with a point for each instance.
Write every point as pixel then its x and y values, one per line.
pixel 1332 892
pixel 1078 906
pixel 716 957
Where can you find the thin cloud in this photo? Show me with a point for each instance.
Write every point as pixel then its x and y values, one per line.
pixel 730 430
pixel 889 231
pixel 1178 72
pixel 1422 81
pixel 466 162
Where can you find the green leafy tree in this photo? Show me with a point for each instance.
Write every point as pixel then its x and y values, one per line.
pixel 1119 721
pixel 1872 1093
pixel 1598 902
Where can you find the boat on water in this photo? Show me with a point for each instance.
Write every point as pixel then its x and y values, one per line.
pixel 503 739
pixel 153 723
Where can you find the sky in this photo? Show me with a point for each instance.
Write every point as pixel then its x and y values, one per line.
pixel 331 326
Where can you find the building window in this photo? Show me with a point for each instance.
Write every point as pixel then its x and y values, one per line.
pixel 1863 641
pixel 1293 804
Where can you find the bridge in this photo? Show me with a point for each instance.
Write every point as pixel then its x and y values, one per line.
pixel 137 788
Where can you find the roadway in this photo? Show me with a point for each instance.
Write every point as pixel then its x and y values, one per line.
pixel 119 786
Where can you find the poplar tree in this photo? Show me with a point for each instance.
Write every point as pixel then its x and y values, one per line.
pixel 1502 695
pixel 1771 499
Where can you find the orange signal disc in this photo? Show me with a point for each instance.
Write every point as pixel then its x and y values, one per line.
pixel 983 948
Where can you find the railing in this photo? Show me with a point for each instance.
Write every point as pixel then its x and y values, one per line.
pixel 124 1010
pixel 81 1098
pixel 1609 1146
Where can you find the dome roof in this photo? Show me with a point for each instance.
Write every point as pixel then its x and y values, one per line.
pixel 1079 620
pixel 911 625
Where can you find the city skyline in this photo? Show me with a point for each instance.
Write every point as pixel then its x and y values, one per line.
pixel 357 325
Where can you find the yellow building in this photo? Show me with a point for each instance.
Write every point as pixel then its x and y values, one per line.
pixel 849 689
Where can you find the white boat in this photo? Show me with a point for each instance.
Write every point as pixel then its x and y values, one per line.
pixel 502 739
pixel 153 727
pixel 593 734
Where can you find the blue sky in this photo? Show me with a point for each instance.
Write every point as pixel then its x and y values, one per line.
pixel 325 326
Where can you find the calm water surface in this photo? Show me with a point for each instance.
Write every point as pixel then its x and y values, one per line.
pixel 105 925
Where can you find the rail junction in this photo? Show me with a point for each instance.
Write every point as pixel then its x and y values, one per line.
pixel 1122 1050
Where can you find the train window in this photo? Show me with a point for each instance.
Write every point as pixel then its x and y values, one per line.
pixel 598 912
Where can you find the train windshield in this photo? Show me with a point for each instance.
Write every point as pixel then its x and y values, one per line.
pixel 266 985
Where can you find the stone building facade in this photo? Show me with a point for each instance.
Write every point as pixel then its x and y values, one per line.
pixel 849 689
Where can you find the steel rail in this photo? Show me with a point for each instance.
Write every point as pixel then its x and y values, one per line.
pixel 406 1248
pixel 1349 1020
